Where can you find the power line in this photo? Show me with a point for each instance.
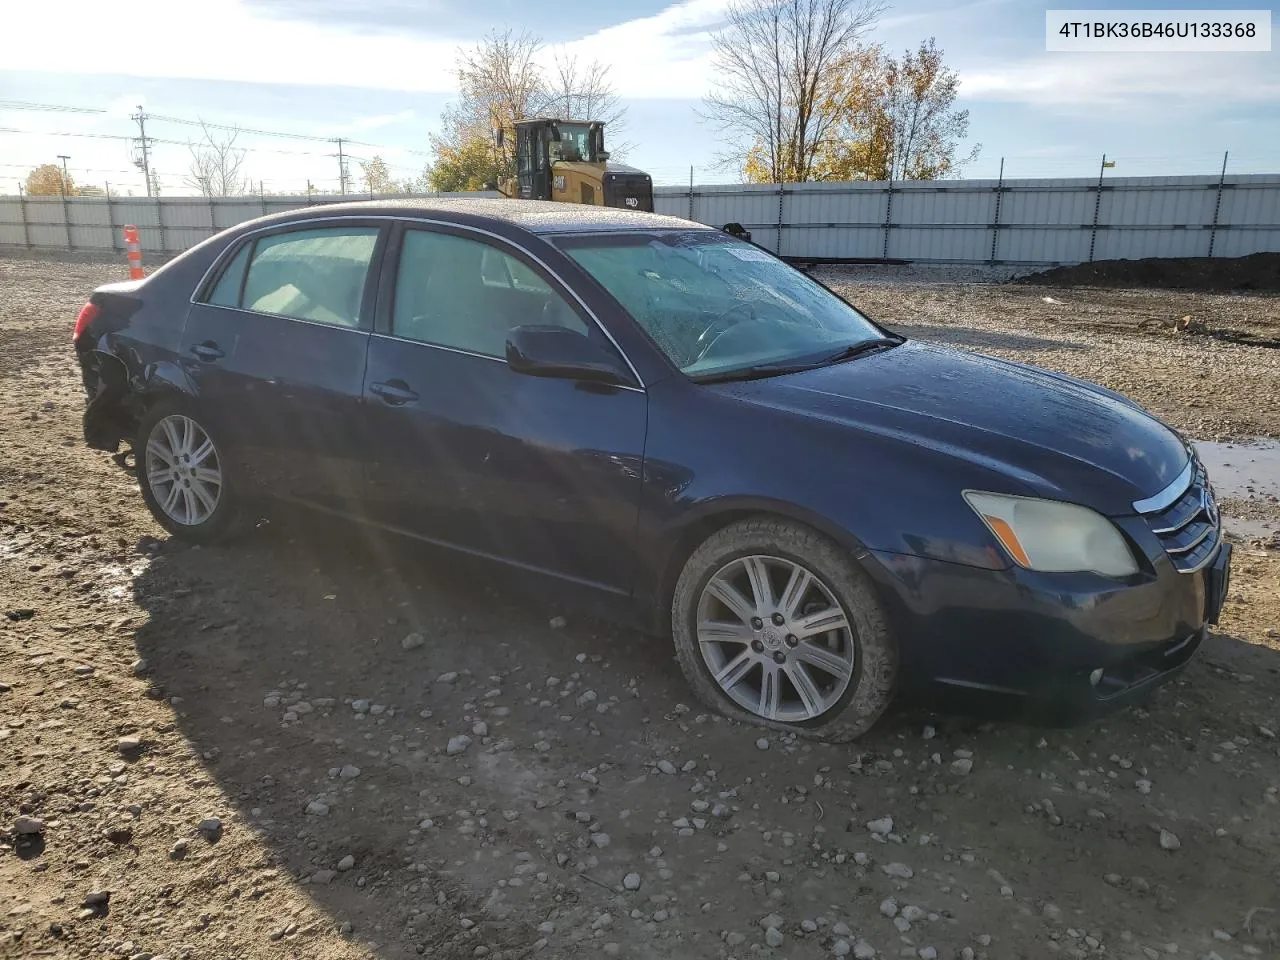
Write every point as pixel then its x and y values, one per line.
pixel 235 129
pixel 50 133
pixel 27 166
pixel 186 121
pixel 50 107
pixel 175 143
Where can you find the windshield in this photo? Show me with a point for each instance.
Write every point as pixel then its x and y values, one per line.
pixel 574 144
pixel 715 304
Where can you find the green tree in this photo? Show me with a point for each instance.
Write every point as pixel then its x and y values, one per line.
pixel 470 165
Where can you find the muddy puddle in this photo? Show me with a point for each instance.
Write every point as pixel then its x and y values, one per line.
pixel 1248 472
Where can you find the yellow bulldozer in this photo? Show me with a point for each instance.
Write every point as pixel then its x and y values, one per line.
pixel 566 160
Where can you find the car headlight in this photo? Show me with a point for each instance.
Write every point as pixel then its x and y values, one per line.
pixel 1054 537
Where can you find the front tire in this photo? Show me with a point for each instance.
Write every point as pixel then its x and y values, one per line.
pixel 775 625
pixel 182 472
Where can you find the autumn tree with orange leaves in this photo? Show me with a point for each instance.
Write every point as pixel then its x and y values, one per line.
pixel 896 119
pixel 48 180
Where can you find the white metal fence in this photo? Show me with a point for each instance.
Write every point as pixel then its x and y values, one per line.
pixel 165 224
pixel 998 221
pixel 958 221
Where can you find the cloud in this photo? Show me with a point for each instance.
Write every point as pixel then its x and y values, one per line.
pixel 375 122
pixel 1125 83
pixel 665 55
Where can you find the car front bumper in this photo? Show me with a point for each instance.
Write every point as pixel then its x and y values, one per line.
pixel 1053 648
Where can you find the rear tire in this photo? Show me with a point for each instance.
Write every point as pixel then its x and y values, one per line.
pixel 183 475
pixel 813 656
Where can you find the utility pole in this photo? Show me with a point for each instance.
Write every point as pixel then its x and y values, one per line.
pixel 342 168
pixel 1097 204
pixel 143 162
pixel 66 209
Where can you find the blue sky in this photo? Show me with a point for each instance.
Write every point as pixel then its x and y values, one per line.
pixel 380 71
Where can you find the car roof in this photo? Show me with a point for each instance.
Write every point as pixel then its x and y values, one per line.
pixel 535 216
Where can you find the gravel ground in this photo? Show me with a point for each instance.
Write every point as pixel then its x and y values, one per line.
pixel 315 744
pixel 1210 388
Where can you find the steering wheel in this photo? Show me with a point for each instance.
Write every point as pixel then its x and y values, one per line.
pixel 719 327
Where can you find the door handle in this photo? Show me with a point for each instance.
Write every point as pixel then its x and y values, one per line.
pixel 207 351
pixel 393 392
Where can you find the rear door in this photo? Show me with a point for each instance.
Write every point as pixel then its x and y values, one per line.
pixel 544 473
pixel 276 347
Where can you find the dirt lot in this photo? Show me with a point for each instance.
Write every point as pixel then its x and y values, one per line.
pixel 252 751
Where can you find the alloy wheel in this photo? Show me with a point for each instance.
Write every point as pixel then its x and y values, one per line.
pixel 183 470
pixel 775 639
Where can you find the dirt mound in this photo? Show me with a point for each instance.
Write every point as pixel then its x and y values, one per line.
pixel 1258 272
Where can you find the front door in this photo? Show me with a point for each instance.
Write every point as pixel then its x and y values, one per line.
pixel 276 350
pixel 544 473
pixel 533 172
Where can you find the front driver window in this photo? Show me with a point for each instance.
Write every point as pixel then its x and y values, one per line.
pixel 456 292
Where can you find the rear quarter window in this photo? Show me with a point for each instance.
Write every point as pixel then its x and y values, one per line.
pixel 226 292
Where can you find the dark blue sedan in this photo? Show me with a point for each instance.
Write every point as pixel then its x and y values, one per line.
pixel 820 513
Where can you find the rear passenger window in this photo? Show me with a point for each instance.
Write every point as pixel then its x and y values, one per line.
pixel 316 275
pixel 466 294
pixel 227 291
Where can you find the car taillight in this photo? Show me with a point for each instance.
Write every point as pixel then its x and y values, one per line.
pixel 88 313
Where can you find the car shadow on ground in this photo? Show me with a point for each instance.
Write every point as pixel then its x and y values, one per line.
pixel 396 650
pixel 320 611
pixel 969 338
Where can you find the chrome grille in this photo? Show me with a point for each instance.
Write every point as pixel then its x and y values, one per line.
pixel 1189 526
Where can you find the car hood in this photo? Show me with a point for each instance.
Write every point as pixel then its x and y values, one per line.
pixel 1047 434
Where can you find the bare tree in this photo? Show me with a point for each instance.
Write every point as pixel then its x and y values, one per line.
pixel 774 60
pixel 577 93
pixel 499 82
pixel 217 165
pixel 377 176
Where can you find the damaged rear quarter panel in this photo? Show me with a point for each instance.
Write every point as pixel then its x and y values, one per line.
pixel 131 354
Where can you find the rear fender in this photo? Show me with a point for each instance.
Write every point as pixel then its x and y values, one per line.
pixel 163 379
pixel 107 415
pixel 119 400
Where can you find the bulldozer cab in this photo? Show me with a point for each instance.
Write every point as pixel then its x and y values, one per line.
pixel 565 160
pixel 542 143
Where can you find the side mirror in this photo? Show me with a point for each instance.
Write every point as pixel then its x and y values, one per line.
pixel 603 155
pixel 547 351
